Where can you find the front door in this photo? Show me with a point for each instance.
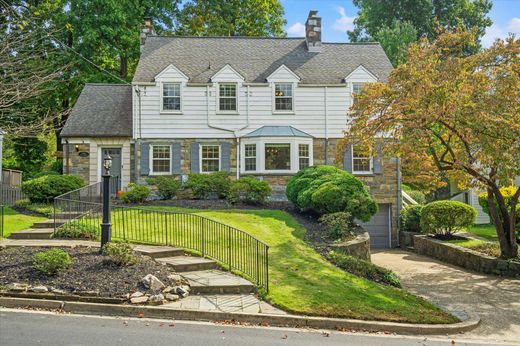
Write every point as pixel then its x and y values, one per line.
pixel 115 154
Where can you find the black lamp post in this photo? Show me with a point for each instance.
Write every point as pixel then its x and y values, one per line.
pixel 106 225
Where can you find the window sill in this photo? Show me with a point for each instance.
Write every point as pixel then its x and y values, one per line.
pixel 284 112
pixel 171 112
pixel 270 173
pixel 159 173
pixel 366 174
pixel 227 113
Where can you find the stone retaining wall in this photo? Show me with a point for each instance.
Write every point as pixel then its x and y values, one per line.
pixel 358 247
pixel 465 258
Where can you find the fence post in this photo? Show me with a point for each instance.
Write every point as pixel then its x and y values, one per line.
pixel 203 238
pixel 229 247
pixel 257 262
pixel 267 268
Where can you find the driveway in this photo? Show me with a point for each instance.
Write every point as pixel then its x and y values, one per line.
pixel 495 299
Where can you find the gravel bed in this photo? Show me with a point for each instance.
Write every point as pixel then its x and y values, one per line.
pixel 89 272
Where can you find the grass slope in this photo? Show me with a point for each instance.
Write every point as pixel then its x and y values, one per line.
pixel 14 222
pixel 303 282
pixel 485 231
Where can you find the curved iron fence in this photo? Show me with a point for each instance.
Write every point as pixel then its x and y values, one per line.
pixel 79 213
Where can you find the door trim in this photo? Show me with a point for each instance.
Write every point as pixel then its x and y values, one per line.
pixel 100 166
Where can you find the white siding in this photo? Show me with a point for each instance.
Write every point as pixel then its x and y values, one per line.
pixel 482 217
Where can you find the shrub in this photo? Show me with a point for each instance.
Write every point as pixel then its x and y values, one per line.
pixel 38 208
pixel 205 186
pixel 447 217
pixel 508 193
pixel 78 230
pixel 51 262
pixel 249 190
pixel 167 186
pixel 364 269
pixel 327 189
pixel 411 218
pixel 136 194
pixel 56 166
pixel 418 196
pixel 120 253
pixel 44 173
pixel 338 225
pixel 44 189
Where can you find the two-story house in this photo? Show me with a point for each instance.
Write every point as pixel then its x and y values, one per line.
pixel 251 106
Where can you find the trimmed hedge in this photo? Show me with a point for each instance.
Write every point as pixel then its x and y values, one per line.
pixel 447 217
pixel 411 218
pixel 167 186
pixel 249 190
pixel 206 186
pixel 327 189
pixel 45 188
pixel 364 269
pixel 136 194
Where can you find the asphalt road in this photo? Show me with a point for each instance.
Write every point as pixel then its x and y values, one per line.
pixel 19 327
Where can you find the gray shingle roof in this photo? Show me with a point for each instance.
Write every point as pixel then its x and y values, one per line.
pixel 102 110
pixel 277 131
pixel 256 58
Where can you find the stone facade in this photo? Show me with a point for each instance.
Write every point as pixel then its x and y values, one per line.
pixel 465 258
pixel 74 163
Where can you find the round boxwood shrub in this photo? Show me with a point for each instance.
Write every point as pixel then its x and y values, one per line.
pixel 206 186
pixel 136 194
pixel 447 217
pixel 51 262
pixel 45 188
pixel 327 189
pixel 167 186
pixel 411 218
pixel 249 190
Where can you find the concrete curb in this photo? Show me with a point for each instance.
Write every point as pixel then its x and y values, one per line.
pixel 256 319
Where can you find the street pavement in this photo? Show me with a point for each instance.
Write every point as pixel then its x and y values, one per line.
pixel 22 327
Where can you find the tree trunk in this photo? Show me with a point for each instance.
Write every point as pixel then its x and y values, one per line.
pixel 123 68
pixel 505 229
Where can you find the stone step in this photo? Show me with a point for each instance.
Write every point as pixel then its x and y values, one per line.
pixel 39 233
pixel 217 282
pixel 48 224
pixel 188 263
pixel 158 251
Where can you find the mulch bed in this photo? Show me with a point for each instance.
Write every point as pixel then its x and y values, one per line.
pixel 89 272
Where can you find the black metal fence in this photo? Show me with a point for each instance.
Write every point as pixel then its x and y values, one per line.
pixel 80 213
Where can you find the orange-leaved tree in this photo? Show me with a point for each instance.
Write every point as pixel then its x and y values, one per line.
pixel 461 112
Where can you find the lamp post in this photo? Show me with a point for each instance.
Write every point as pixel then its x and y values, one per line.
pixel 106 225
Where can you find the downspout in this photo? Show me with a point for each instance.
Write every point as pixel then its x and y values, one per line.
pixel 67 157
pixel 326 127
pixel 399 194
pixel 137 143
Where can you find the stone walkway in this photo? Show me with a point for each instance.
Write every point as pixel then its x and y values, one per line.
pixel 495 299
pixel 247 303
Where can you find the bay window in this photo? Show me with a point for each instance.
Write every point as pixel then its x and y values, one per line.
pixel 303 156
pixel 250 157
pixel 277 157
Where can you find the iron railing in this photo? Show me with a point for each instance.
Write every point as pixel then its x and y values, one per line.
pixel 1 221
pixel 80 212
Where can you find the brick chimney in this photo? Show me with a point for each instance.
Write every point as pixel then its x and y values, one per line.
pixel 146 30
pixel 313 32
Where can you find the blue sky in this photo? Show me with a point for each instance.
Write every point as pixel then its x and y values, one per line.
pixel 338 16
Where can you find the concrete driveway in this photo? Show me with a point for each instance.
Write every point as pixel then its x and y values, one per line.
pixel 495 299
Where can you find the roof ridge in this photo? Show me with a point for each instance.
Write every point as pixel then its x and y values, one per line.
pixel 231 37
pixel 108 84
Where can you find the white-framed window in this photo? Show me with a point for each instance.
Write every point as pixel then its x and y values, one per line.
pixel 209 158
pixel 303 156
pixel 160 159
pixel 171 97
pixel 362 161
pixel 227 97
pixel 283 97
pixel 250 157
pixel 277 156
pixel 357 87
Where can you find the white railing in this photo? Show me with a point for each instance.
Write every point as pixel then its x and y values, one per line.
pixel 407 199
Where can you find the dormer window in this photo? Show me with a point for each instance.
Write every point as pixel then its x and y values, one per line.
pixel 227 97
pixel 171 97
pixel 356 90
pixel 283 97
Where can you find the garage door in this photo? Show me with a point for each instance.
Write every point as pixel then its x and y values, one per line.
pixel 379 228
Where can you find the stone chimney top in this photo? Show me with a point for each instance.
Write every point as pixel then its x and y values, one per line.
pixel 313 32
pixel 146 30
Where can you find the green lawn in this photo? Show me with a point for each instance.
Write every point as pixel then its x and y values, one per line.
pixel 14 221
pixel 300 280
pixel 485 231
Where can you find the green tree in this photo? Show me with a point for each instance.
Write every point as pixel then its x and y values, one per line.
pixel 395 40
pixel 232 18
pixel 426 16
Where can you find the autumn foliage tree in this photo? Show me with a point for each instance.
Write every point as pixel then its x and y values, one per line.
pixel 457 111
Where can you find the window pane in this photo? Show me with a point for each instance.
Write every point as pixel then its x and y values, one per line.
pixel 228 90
pixel 361 159
pixel 250 164
pixel 283 89
pixel 210 151
pixel 161 151
pixel 304 162
pixel 228 104
pixel 161 166
pixel 250 150
pixel 303 150
pixel 172 103
pixel 172 90
pixel 210 165
pixel 277 156
pixel 283 104
pixel 283 96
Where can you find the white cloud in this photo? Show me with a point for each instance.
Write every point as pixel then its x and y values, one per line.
pixel 296 30
pixel 344 23
pixel 495 31
pixel 514 25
